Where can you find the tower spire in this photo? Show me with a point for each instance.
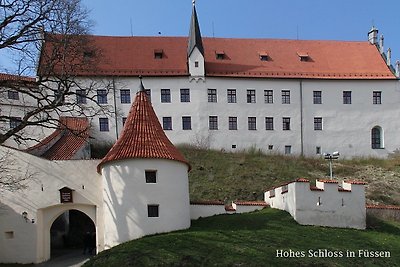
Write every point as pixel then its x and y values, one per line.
pixel 194 33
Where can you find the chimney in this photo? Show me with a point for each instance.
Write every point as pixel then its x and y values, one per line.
pixel 373 36
pixel 398 69
pixel 388 56
pixel 381 44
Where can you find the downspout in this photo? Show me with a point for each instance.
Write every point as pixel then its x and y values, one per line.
pixel 115 109
pixel 301 120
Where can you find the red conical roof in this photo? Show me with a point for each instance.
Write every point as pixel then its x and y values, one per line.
pixel 142 136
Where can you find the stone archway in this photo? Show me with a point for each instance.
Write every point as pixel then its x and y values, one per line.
pixel 47 217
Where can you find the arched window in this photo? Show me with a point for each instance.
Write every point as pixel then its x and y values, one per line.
pixel 376 138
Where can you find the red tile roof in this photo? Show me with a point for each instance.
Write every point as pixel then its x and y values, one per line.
pixel 71 135
pixel 133 56
pixel 5 79
pixel 388 207
pixel 328 181
pixel 207 202
pixel 251 203
pixel 356 182
pixel 142 136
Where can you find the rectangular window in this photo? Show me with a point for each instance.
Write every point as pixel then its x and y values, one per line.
pixel 251 96
pixel 123 121
pixel 186 123
pixel 152 210
pixel 102 96
pixel 377 97
pixel 288 150
pixel 252 123
pixel 151 177
pixel 148 93
pixel 213 122
pixel 15 121
pixel 232 123
pixel 125 96
pixel 212 95
pixel 285 97
pixel 318 124
pixel 13 94
pixel 9 235
pixel 185 95
pixel 167 123
pixel 286 124
pixel 103 122
pixel 269 123
pixel 318 150
pixel 81 96
pixel 317 97
pixel 268 96
pixel 346 97
pixel 165 96
pixel 231 95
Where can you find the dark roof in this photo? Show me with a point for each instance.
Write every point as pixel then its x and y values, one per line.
pixel 11 79
pixel 142 136
pixel 194 34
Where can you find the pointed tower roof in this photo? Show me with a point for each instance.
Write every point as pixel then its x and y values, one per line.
pixel 142 136
pixel 194 33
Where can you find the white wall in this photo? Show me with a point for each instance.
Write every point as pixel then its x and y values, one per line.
pixel 126 196
pixel 41 200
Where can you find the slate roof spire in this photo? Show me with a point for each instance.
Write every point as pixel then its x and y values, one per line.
pixel 194 33
pixel 142 136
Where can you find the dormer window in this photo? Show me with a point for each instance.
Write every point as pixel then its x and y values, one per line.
pixel 303 56
pixel 87 55
pixel 220 55
pixel 263 56
pixel 158 53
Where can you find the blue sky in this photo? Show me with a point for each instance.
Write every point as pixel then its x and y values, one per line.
pixel 348 20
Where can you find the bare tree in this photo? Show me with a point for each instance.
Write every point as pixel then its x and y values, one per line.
pixel 49 38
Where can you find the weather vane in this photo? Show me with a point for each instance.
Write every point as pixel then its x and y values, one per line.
pixel 194 2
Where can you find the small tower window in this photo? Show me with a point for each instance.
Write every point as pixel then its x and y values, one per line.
pixel 152 211
pixel 158 54
pixel 220 55
pixel 151 177
pixel 196 64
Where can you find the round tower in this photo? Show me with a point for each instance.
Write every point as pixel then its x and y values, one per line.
pixel 145 179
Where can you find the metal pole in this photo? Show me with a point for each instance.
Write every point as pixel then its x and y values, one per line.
pixel 330 168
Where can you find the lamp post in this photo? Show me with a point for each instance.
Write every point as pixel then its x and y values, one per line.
pixel 331 157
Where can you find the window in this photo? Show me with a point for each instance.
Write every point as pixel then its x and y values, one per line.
pixel 268 96
pixel 102 96
pixel 158 53
pixel 13 94
pixel 104 124
pixel 213 122
pixel 151 177
pixel 285 97
pixel 15 121
pixel 318 124
pixel 186 123
pixel 231 95
pixel 165 96
pixel 251 96
pixel 152 210
pixel 148 93
pixel 167 123
pixel 252 123
pixel 376 138
pixel 9 234
pixel 125 96
pixel 185 95
pixel 81 96
pixel 263 56
pixel 212 95
pixel 269 123
pixel 220 55
pixel 196 64
pixel 270 147
pixel 318 150
pixel 232 123
pixel 377 97
pixel 317 97
pixel 288 150
pixel 123 120
pixel 346 97
pixel 286 124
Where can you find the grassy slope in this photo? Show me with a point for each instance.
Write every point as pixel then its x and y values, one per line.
pixel 244 176
pixel 252 240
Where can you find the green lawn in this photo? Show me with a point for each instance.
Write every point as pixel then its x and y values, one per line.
pixel 253 240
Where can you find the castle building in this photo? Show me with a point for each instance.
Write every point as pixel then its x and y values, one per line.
pixel 297 97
